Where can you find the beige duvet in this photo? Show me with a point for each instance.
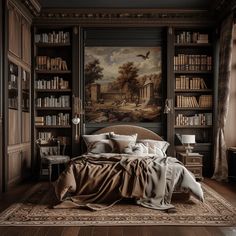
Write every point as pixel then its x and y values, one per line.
pixel 98 181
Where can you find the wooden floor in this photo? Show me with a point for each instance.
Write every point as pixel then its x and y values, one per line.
pixel 228 190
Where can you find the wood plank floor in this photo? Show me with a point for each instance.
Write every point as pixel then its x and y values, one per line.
pixel 228 190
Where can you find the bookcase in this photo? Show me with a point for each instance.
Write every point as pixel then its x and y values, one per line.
pixel 53 85
pixel 193 93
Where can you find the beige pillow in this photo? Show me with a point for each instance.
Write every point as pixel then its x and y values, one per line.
pixel 102 146
pixel 122 141
pixel 91 139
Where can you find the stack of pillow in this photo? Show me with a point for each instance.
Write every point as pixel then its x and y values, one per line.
pixel 128 144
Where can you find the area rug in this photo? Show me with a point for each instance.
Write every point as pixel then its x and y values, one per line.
pixel 36 210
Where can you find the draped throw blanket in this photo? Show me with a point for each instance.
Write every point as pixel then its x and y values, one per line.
pixel 226 44
pixel 98 181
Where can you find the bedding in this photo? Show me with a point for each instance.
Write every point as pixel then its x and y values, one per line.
pixel 97 181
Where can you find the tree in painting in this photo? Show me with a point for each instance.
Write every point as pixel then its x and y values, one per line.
pixel 127 79
pixel 93 72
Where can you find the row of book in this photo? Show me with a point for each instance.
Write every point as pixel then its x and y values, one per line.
pixel 60 37
pixel 59 119
pixel 12 83
pixel 185 82
pixel 55 83
pixel 46 136
pixel 25 103
pixel 52 101
pixel 192 62
pixel 204 101
pixel 47 63
pixel 197 119
pixel 191 37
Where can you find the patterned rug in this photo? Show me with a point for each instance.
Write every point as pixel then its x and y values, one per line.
pixel 36 209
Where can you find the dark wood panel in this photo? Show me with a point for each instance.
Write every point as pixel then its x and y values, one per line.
pixel 127 4
pixel 26 41
pixel 14 31
pixel 123 37
pixel 1 92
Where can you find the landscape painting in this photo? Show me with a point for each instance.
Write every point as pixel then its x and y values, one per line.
pixel 123 84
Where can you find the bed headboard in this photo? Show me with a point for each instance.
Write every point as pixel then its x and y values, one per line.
pixel 130 129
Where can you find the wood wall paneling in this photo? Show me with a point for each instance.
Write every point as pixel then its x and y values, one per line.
pixel 25 127
pixel 13 127
pixel 26 41
pixel 1 95
pixel 14 31
pixel 26 162
pixel 14 172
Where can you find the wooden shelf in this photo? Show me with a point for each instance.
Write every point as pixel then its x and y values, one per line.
pixel 53 71
pixel 13 108
pixel 192 44
pixel 53 126
pixel 193 90
pixel 193 108
pixel 54 108
pixel 52 90
pixel 52 44
pixel 192 72
pixel 193 126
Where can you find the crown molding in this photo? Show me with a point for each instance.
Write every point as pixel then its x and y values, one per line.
pixel 126 16
pixel 33 6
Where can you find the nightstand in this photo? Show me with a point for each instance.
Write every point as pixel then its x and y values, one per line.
pixel 193 162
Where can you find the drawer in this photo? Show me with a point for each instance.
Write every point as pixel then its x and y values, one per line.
pixel 193 161
pixel 196 170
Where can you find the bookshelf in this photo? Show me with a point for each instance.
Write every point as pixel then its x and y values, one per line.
pixel 53 85
pixel 193 90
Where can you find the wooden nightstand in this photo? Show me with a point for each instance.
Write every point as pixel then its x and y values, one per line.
pixel 193 162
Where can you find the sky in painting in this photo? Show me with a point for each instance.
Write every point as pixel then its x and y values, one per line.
pixel 112 57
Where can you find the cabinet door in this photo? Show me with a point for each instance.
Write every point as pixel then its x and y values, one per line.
pixel 14 167
pixel 26 162
pixel 14 25
pixel 13 127
pixel 26 42
pixel 25 103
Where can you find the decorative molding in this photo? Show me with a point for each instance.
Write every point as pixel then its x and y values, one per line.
pixel 33 6
pixel 126 16
pixel 19 9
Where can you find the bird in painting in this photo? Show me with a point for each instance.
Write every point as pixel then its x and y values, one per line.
pixel 145 57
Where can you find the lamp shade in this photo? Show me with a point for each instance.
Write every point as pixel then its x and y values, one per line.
pixel 188 138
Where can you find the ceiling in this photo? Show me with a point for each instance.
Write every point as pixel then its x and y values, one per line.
pixel 198 4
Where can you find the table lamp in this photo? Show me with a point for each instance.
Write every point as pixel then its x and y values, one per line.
pixel 187 140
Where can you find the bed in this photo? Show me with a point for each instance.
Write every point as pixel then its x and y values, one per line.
pixel 98 180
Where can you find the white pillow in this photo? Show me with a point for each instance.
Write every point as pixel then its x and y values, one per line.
pixel 155 146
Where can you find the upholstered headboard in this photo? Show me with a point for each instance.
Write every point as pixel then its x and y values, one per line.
pixel 130 129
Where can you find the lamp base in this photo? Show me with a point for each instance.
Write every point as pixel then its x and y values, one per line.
pixel 188 149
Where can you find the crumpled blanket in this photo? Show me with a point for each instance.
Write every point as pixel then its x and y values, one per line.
pixel 97 181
